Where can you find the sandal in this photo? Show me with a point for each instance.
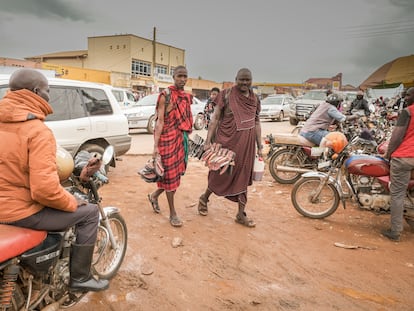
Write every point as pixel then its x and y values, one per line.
pixel 202 206
pixel 154 204
pixel 245 221
pixel 175 221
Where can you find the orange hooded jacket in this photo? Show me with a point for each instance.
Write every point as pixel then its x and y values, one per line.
pixel 28 173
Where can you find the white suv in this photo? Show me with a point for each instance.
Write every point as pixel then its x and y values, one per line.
pixel 86 116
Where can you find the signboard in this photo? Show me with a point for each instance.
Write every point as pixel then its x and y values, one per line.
pixel 162 77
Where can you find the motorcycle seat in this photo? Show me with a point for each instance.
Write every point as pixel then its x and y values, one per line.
pixel 288 139
pixel 15 241
pixel 291 139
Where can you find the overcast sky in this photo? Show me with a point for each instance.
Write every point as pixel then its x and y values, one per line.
pixel 280 41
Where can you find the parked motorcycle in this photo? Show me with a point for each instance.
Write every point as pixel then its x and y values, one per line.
pixel 363 178
pixel 289 157
pixel 34 265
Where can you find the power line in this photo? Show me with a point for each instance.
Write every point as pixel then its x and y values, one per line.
pixel 409 22
pixel 377 30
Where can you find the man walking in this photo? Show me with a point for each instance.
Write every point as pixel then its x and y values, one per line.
pixel 401 152
pixel 236 126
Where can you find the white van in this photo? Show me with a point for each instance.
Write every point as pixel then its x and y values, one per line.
pixel 124 97
pixel 86 116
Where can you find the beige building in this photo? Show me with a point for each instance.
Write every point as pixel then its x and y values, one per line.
pixel 134 62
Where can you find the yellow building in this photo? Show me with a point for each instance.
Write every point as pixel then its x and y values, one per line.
pixel 133 62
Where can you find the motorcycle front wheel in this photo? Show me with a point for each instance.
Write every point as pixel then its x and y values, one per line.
pixel 312 205
pixel 107 260
pixel 284 157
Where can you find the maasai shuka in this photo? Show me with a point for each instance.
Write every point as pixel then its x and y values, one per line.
pixel 244 109
pixel 171 143
pixel 237 132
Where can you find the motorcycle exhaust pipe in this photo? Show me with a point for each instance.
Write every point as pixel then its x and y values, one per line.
pixel 283 168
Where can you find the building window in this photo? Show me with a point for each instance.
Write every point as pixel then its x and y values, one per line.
pixel 141 68
pixel 172 71
pixel 161 69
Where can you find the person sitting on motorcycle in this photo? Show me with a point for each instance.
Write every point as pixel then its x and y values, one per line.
pixel 31 195
pixel 209 107
pixel 360 105
pixel 401 152
pixel 316 127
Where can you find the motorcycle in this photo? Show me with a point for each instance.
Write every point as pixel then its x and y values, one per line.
pixel 34 265
pixel 289 157
pixel 359 177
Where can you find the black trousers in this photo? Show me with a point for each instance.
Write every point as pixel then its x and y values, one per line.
pixel 85 219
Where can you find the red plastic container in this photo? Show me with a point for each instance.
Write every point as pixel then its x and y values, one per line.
pixel 367 165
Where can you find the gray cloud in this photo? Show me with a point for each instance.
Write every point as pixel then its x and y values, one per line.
pixel 403 4
pixel 280 41
pixel 53 9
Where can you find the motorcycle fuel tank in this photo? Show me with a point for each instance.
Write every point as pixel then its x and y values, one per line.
pixel 367 165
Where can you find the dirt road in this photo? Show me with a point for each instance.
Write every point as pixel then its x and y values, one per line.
pixel 287 262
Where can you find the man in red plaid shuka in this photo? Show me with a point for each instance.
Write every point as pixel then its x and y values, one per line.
pixel 174 123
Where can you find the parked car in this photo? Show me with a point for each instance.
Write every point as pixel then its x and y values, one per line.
pixel 124 97
pixel 276 107
pixel 142 114
pixel 86 116
pixel 301 108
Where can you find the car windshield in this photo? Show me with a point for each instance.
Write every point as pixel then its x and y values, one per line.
pixel 272 101
pixel 315 95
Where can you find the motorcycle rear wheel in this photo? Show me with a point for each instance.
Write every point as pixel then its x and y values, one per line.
pixel 284 157
pixel 107 260
pixel 324 205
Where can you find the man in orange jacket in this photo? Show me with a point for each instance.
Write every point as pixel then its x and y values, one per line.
pixel 31 195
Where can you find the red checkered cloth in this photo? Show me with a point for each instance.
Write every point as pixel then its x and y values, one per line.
pixel 171 142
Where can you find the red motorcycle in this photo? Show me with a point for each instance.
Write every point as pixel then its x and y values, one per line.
pixel 364 178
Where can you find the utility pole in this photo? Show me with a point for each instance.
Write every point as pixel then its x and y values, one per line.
pixel 154 45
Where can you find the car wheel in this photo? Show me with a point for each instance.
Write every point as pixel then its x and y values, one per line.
pixel 199 122
pixel 293 121
pixel 151 125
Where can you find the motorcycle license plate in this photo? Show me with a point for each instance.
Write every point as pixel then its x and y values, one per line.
pixel 324 164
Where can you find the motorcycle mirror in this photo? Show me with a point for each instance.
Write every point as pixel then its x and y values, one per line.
pixel 108 155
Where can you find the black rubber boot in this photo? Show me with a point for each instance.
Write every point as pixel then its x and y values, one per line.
pixel 81 279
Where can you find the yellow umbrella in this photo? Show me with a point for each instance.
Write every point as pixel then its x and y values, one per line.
pixel 400 70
